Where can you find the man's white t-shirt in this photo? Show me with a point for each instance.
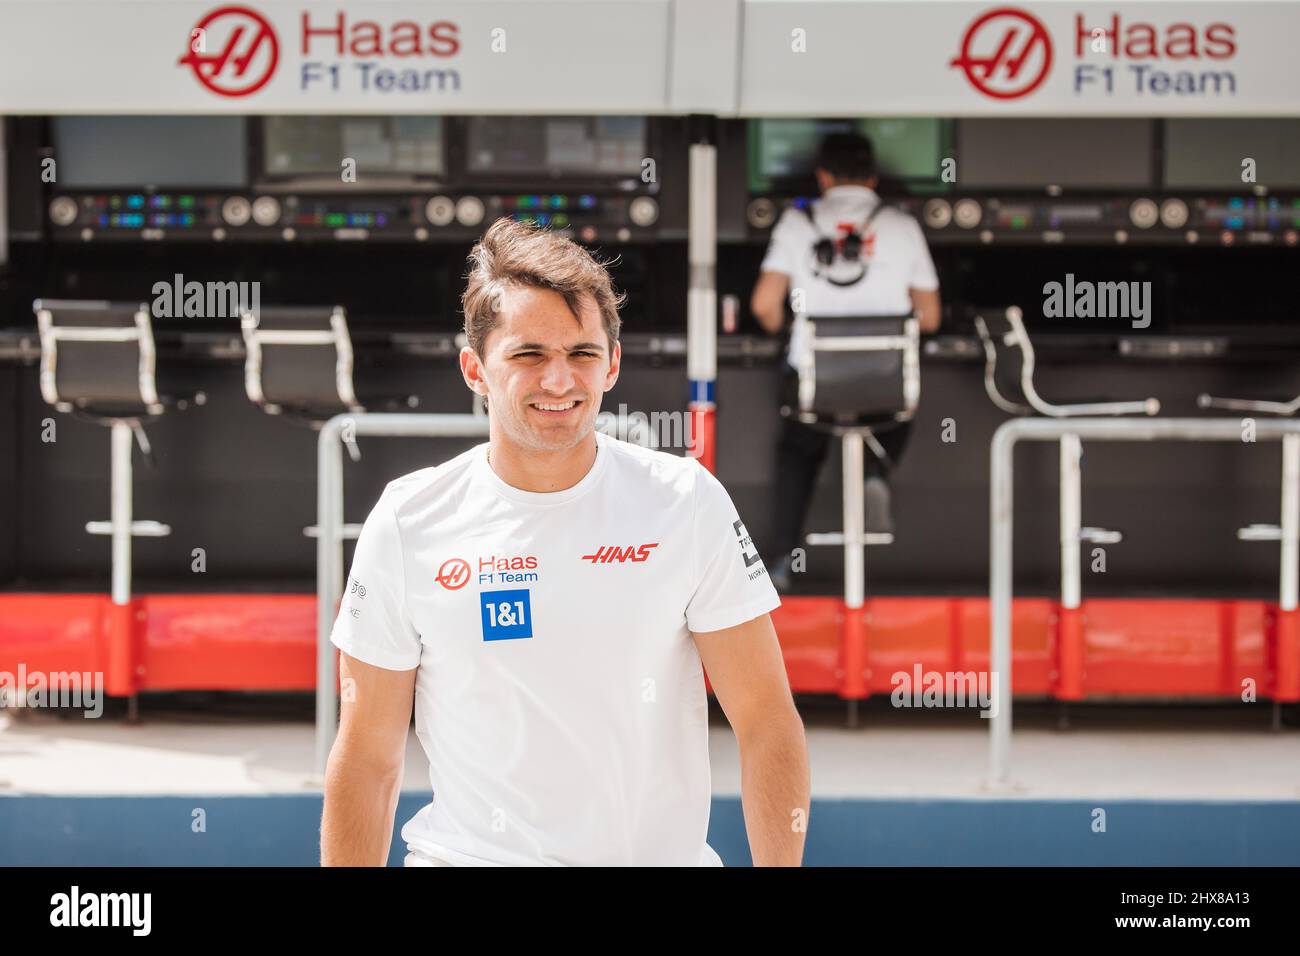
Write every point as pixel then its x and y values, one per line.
pixel 560 698
pixel 893 248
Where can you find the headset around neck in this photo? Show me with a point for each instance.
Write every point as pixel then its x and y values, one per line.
pixel 826 249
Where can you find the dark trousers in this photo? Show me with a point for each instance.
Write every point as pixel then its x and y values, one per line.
pixel 800 452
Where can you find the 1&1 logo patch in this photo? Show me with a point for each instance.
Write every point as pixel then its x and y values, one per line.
pixel 507 615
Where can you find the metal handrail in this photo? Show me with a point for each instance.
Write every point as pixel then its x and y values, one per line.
pixel 1001 497
pixel 1249 404
pixel 329 543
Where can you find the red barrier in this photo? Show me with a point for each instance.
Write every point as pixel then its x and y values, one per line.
pixel 1125 647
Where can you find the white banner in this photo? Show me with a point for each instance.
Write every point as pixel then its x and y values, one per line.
pixel 1047 59
pixel 271 56
pixel 813 57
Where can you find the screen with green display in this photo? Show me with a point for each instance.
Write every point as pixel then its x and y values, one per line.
pixel 1210 153
pixel 910 149
pixel 402 146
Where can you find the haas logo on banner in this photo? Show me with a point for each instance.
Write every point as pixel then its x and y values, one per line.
pixel 233 51
pixel 1006 53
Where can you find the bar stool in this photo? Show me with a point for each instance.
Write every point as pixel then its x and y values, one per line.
pixel 98 364
pixel 299 365
pixel 859 375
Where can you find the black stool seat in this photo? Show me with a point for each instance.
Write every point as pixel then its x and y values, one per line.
pixel 300 365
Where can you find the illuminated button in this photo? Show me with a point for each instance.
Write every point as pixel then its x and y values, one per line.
pixel 543 218
pixel 236 211
pixel 560 219
pixel 186 202
pixel 266 210
pixel 63 211
pixel 760 213
pixel 1173 213
pixel 937 213
pixel 587 202
pixel 1143 213
pixel 643 211
pixel 469 211
pixel 440 211
pixel 135 202
pixel 558 202
pixel 114 202
pixel 967 213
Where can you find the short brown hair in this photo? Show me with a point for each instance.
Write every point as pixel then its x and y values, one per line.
pixel 522 254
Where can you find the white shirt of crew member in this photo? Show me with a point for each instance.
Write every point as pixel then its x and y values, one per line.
pixel 893 249
pixel 560 697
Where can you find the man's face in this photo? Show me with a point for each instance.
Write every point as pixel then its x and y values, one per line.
pixel 543 373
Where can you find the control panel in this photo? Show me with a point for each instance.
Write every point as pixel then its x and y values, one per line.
pixel 1165 220
pixel 589 215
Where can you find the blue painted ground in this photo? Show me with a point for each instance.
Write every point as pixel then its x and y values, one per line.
pixel 284 830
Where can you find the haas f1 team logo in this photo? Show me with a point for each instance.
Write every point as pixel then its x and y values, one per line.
pixel 453 574
pixel 1006 53
pixel 612 553
pixel 233 51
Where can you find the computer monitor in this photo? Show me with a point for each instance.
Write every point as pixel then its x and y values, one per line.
pixel 909 150
pixel 555 146
pixel 1210 153
pixel 105 152
pixel 1033 154
pixel 391 147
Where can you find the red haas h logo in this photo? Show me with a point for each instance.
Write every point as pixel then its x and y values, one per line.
pixel 237 51
pixel 1006 53
pixel 609 553
pixel 454 574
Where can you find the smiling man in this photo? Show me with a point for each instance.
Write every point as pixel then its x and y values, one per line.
pixel 546 600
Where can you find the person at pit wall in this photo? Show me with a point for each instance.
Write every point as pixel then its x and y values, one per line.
pixel 881 265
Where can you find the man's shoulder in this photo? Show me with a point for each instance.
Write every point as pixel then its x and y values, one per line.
pixel 895 216
pixel 437 479
pixel 652 466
